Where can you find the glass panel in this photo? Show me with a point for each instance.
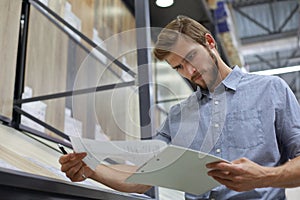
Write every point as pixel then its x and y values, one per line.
pixel 9 33
pixel 57 62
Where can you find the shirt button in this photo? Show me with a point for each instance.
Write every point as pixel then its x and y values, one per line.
pixel 216 102
pixel 216 125
pixel 218 150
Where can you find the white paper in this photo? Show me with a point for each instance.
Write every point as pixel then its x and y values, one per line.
pixel 135 152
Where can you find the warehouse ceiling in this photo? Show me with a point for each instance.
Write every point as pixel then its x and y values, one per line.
pixel 266 31
pixel 268 35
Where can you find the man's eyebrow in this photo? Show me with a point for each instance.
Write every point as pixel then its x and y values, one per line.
pixel 188 54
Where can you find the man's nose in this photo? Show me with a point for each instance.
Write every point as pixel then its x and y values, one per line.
pixel 190 69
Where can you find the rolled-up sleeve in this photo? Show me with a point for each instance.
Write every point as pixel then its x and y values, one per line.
pixel 163 133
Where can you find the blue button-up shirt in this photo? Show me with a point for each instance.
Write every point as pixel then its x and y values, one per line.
pixel 252 116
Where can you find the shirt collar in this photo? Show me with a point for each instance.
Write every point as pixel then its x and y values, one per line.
pixel 230 82
pixel 233 78
pixel 201 93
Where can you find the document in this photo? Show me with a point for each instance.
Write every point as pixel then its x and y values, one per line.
pixel 135 152
pixel 159 164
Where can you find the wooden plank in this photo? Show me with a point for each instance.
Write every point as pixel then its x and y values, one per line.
pixel 10 12
pixel 46 68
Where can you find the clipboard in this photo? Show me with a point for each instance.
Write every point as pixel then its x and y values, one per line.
pixel 177 168
pixel 159 164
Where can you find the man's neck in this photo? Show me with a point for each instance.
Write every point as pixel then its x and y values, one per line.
pixel 224 71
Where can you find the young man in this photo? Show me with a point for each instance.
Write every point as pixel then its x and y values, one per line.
pixel 252 121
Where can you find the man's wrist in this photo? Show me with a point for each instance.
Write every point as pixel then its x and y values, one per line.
pixel 273 175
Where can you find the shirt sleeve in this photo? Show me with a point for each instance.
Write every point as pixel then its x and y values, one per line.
pixel 288 121
pixel 163 133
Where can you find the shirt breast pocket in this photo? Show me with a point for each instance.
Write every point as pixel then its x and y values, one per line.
pixel 243 129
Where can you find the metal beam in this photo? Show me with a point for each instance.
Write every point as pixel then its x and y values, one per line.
pixel 252 20
pixel 143 34
pixel 75 92
pixel 144 66
pixel 278 59
pixel 47 11
pixel 273 16
pixel 246 3
pixel 21 185
pixel 265 61
pixel 289 18
pixel 269 37
pixel 290 57
pixel 21 60
pixel 36 120
pixel 286 63
pixel 267 45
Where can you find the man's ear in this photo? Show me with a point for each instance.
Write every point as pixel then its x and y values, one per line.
pixel 210 41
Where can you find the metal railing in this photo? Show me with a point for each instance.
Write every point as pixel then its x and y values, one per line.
pixel 59 22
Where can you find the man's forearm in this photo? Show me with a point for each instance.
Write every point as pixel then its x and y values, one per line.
pixel 114 176
pixel 244 175
pixel 287 175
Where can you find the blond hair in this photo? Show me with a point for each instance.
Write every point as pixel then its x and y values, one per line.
pixel 184 26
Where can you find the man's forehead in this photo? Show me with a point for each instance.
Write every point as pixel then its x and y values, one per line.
pixel 180 50
pixel 182 46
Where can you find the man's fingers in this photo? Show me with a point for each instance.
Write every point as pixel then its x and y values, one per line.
pixel 66 158
pixel 73 166
pixel 81 175
pixel 72 171
pixel 71 160
pixel 219 173
pixel 221 166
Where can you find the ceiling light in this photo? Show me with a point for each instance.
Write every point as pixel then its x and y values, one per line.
pixel 276 71
pixel 164 3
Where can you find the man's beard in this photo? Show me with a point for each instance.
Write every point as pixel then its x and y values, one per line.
pixel 214 69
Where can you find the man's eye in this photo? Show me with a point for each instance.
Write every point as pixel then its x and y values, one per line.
pixel 178 67
pixel 191 56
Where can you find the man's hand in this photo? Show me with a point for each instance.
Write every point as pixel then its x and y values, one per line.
pixel 240 175
pixel 74 168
